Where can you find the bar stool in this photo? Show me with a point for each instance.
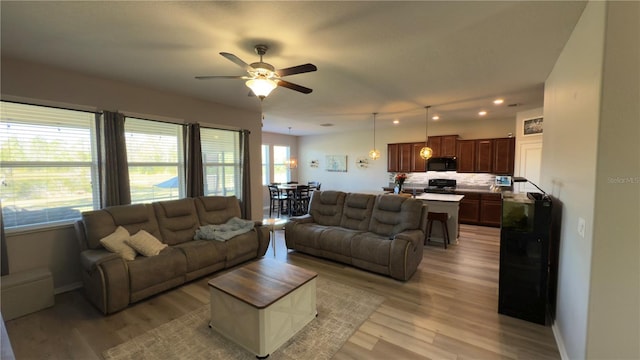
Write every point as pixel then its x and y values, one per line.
pixel 442 218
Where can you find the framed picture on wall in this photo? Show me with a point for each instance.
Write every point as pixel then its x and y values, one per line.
pixel 532 126
pixel 337 163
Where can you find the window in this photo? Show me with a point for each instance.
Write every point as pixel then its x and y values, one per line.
pixel 155 157
pixel 265 165
pixel 280 168
pixel 47 164
pixel 221 161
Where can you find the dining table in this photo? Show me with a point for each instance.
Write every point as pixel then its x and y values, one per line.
pixel 294 205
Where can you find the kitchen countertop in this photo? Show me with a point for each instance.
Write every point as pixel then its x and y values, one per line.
pixel 440 197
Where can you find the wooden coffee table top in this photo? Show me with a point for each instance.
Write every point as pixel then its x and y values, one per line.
pixel 262 282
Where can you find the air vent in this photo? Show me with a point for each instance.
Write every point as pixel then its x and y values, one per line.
pixel 513 105
pixel 326 125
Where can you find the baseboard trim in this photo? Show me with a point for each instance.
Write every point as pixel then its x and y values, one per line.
pixel 561 348
pixel 67 288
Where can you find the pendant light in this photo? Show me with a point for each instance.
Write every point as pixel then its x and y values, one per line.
pixel 374 154
pixel 291 163
pixel 426 152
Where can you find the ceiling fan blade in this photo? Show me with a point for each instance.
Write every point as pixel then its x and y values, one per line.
pixel 296 87
pixel 218 77
pixel 236 60
pixel 305 68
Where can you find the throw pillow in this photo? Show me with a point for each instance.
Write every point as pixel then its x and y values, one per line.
pixel 145 243
pixel 115 242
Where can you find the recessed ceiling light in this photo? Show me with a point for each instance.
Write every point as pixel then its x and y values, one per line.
pixel 498 101
pixel 396 121
pixel 436 117
pixel 482 113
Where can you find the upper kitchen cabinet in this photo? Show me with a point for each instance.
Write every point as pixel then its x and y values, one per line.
pixel 466 155
pixel 494 156
pixel 443 146
pixel 484 156
pixel 405 157
pixel 504 156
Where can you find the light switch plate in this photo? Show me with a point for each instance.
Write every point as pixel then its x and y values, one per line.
pixel 581 226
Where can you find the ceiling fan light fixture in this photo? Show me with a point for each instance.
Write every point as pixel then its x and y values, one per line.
pixel 261 87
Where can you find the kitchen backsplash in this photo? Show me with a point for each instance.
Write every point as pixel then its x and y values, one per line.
pixel 463 179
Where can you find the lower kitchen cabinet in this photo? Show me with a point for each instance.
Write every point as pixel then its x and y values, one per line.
pixel 490 209
pixel 469 212
pixel 483 209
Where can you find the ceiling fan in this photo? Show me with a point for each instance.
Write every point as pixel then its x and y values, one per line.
pixel 262 78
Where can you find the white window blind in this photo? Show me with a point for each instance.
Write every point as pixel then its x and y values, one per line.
pixel 47 164
pixel 280 169
pixel 221 162
pixel 155 158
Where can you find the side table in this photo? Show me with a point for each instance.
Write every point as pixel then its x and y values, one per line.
pixel 274 224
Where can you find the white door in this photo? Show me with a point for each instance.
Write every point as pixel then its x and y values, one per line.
pixel 528 166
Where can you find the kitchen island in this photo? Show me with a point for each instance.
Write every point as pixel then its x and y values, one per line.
pixel 443 203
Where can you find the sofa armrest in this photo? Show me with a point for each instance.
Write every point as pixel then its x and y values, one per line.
pixel 406 254
pixel 303 219
pixel 413 237
pixel 263 238
pixel 90 259
pixel 105 277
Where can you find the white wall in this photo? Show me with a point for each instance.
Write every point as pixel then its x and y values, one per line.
pixel 57 248
pixel 357 145
pixel 591 135
pixel 614 301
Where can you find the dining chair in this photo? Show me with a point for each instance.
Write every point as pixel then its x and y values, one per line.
pixel 277 199
pixel 301 199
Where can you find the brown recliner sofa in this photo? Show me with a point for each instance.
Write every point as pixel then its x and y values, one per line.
pixel 112 283
pixel 380 233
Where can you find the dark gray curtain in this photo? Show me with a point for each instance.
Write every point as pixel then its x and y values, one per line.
pixel 245 192
pixel 115 173
pixel 3 243
pixel 193 160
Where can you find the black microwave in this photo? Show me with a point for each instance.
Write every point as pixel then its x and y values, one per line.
pixel 442 164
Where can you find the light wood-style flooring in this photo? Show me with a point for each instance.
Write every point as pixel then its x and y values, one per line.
pixel 447 310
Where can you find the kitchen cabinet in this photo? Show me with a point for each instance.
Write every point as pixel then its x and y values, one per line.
pixel 469 212
pixel 484 156
pixel 418 164
pixel 504 152
pixel 490 209
pixel 405 157
pixel 466 154
pixel 443 146
pixel 478 208
pixel 495 156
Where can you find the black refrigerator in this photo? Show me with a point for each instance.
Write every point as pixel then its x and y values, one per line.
pixel 526 286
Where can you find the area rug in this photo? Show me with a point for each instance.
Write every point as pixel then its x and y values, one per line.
pixel 341 310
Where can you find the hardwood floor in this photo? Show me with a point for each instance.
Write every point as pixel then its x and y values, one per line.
pixel 447 310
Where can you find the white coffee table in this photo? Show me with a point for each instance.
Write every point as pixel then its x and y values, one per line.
pixel 263 304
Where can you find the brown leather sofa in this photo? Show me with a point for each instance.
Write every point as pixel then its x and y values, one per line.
pixel 112 283
pixel 379 233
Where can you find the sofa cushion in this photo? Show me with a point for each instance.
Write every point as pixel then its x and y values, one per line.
pixel 116 242
pixel 146 272
pixel 201 254
pixel 241 248
pixel 371 248
pixel 145 243
pixel 357 211
pixel 393 214
pixel 177 220
pixel 326 207
pixel 215 210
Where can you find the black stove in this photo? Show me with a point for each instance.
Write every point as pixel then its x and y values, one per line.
pixel 441 186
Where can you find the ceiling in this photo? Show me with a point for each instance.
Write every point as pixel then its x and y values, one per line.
pixel 392 57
